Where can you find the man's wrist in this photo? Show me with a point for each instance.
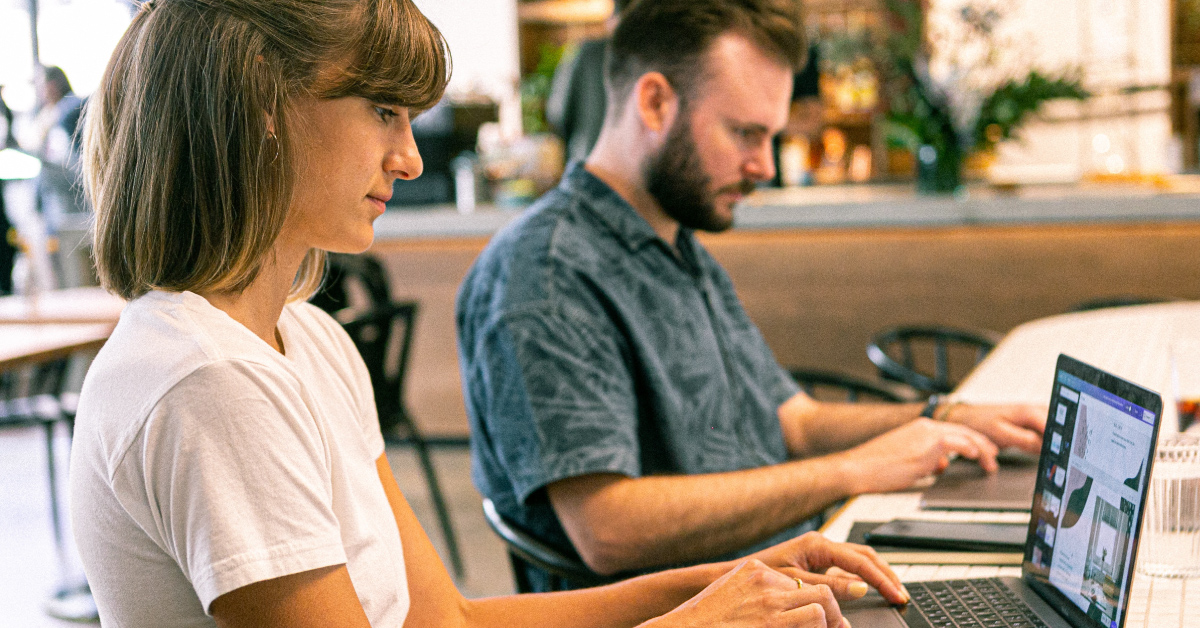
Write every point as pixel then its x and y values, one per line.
pixel 939 407
pixel 931 406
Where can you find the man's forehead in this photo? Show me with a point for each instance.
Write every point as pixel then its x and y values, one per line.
pixel 748 84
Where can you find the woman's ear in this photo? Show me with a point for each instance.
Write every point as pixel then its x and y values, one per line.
pixel 657 102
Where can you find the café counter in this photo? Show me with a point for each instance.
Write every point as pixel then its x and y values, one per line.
pixel 820 270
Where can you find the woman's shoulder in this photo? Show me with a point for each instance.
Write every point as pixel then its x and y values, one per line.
pixel 161 339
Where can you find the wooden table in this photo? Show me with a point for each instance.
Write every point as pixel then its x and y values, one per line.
pixel 72 305
pixel 25 344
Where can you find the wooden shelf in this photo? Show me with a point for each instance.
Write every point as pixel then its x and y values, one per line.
pixel 565 11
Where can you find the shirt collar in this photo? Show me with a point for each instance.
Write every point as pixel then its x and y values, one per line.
pixel 613 211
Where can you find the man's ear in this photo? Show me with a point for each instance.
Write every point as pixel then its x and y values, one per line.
pixel 656 101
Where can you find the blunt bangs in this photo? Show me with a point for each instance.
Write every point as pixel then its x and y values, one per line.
pixel 399 58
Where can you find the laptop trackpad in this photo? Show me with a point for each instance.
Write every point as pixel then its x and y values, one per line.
pixel 872 611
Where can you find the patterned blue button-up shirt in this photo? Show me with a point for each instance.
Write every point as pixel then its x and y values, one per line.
pixel 588 345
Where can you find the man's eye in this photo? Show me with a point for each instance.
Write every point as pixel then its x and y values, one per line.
pixel 748 135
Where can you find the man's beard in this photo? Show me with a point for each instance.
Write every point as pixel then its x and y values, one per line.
pixel 675 177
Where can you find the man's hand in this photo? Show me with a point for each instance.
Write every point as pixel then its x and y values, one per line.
pixel 845 568
pixel 753 595
pixel 1018 426
pixel 897 459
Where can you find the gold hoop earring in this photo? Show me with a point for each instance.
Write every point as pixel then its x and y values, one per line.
pixel 274 141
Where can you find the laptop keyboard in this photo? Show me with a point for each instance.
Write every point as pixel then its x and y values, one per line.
pixel 984 602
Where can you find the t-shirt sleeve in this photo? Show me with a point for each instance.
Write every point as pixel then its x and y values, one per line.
pixel 558 397
pixel 237 476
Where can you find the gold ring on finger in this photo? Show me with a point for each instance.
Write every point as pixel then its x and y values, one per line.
pixel 799 583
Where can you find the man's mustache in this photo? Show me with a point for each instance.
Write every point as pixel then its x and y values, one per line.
pixel 743 187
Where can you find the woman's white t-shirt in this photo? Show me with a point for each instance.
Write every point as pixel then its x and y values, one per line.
pixel 204 461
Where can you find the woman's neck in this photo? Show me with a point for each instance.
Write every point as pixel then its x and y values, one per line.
pixel 260 304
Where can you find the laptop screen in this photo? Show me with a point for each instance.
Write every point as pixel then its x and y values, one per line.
pixel 1090 493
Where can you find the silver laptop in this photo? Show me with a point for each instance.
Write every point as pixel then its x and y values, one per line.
pixel 1085 520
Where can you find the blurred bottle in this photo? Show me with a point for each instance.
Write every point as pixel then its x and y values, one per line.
pixel 467 177
pixel 794 169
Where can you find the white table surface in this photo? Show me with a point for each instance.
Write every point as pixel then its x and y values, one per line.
pixel 1131 342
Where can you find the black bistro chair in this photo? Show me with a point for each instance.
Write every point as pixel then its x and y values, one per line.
pixel 356 293
pixel 383 335
pixel 36 402
pixel 524 549
pixel 1114 301
pixel 831 386
pixel 352 281
pixel 930 359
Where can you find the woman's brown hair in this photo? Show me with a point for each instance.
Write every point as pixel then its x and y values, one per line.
pixel 189 158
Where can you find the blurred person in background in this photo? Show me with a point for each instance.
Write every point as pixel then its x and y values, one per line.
pixel 52 137
pixel 7 250
pixel 576 106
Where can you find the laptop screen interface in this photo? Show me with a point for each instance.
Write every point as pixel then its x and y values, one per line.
pixel 1090 488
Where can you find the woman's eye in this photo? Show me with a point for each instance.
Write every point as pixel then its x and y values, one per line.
pixel 385 114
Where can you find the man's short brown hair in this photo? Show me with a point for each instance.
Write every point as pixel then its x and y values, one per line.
pixel 190 155
pixel 673 36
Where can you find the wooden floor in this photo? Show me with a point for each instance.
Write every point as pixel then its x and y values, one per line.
pixel 29 573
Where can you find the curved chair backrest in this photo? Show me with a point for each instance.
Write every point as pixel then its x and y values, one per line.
pixel 352 281
pixel 523 547
pixel 1114 301
pixel 383 335
pixel 921 356
pixel 831 386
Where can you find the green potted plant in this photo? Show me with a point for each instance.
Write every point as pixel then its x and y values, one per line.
pixel 973 103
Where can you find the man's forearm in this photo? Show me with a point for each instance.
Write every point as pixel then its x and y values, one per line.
pixel 619 523
pixel 814 428
pixel 625 603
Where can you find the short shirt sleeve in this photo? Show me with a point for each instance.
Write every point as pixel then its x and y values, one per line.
pixel 238 483
pixel 562 397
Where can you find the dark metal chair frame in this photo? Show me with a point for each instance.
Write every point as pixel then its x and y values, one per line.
pixel 40 405
pixel 854 389
pixel 1114 301
pixel 372 326
pixel 372 332
pixel 891 351
pixel 525 549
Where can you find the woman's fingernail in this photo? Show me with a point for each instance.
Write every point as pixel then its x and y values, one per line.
pixel 857 589
pixel 907 595
pixel 845 623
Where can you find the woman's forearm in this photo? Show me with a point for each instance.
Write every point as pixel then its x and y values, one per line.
pixel 626 603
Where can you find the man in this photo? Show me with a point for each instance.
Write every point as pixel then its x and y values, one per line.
pixel 622 403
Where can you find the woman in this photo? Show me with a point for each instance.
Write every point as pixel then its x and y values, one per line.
pixel 228 467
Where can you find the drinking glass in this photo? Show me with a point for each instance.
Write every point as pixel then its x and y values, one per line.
pixel 1171 536
pixel 1185 381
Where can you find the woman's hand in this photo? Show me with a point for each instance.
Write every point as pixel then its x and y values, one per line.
pixel 752 595
pixel 847 569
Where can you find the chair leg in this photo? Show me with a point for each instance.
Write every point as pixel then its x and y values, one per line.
pixel 520 575
pixel 439 505
pixel 55 514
